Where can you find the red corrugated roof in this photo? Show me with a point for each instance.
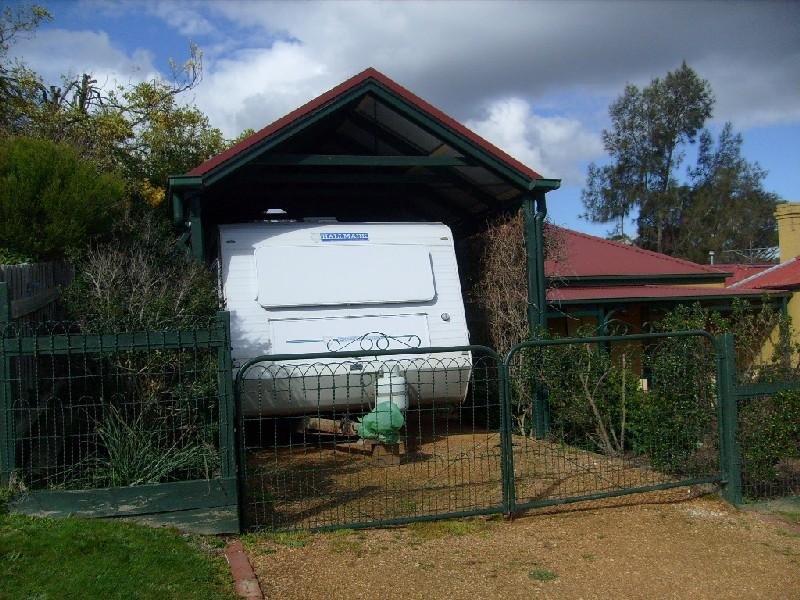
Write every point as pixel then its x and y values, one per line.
pixel 742 271
pixel 783 276
pixel 583 255
pixel 634 292
pixel 345 87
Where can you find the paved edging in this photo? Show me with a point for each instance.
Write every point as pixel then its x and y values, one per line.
pixel 245 582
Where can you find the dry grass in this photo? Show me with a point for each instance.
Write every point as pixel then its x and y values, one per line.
pixel 657 545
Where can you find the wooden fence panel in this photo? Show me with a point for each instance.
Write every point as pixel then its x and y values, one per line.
pixel 34 288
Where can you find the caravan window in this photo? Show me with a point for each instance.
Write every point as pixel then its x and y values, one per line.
pixel 335 275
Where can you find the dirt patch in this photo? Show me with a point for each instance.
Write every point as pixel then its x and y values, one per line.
pixel 620 548
pixel 315 486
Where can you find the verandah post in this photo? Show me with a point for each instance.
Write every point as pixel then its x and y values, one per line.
pixel 196 227
pixel 535 210
pixel 227 410
pixel 728 414
pixel 506 442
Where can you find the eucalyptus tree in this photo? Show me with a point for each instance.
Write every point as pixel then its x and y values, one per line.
pixel 650 128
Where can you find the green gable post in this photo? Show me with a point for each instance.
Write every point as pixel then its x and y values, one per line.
pixel 535 211
pixel 177 209
pixel 196 227
pixel 186 194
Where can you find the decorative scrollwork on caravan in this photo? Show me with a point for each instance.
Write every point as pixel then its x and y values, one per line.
pixel 374 340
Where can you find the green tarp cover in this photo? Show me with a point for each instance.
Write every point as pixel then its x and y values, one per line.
pixel 383 423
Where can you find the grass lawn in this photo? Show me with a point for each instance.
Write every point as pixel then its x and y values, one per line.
pixel 80 558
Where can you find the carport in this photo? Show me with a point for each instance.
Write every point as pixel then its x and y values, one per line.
pixel 366 150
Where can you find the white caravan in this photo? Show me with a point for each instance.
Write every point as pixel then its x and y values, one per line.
pixel 323 286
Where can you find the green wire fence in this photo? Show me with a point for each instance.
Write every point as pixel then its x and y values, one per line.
pixel 93 421
pixel 159 423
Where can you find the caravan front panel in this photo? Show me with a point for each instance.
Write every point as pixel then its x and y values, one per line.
pixel 298 288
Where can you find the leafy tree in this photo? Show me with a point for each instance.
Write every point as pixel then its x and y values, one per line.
pixel 18 85
pixel 141 130
pixel 242 136
pixel 52 202
pixel 168 138
pixel 720 206
pixel 728 208
pixel 649 128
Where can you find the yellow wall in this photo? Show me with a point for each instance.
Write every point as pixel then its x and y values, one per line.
pixel 707 285
pixel 788 219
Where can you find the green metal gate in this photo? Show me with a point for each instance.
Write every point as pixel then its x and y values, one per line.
pixel 555 421
pixel 303 464
pixel 603 416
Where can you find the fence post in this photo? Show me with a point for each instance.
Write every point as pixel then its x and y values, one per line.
pixel 506 441
pixel 8 442
pixel 227 426
pixel 541 412
pixel 728 413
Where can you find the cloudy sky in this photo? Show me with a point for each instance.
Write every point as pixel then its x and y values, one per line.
pixel 535 78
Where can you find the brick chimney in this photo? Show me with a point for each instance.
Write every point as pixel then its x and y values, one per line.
pixel 788 218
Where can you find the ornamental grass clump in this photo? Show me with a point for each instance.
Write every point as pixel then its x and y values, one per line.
pixel 147 447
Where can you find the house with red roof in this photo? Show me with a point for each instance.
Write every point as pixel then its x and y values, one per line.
pixel 592 281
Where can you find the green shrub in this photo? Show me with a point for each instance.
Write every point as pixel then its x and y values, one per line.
pixel 769 433
pixel 769 427
pixel 12 257
pixel 5 497
pixel 676 427
pixel 51 201
pixel 593 396
pixel 142 281
pixel 149 446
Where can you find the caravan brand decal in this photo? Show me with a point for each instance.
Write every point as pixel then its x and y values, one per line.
pixel 344 237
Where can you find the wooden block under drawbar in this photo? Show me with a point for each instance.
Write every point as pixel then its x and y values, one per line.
pixel 354 448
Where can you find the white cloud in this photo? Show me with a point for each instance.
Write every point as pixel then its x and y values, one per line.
pixel 553 145
pixel 56 52
pixel 751 93
pixel 184 17
pixel 486 63
pixel 467 56
pixel 254 87
pixel 462 54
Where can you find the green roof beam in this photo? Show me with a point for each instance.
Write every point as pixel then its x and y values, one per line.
pixel 344 178
pixel 185 181
pixel 452 138
pixel 548 185
pixel 246 156
pixel 350 160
